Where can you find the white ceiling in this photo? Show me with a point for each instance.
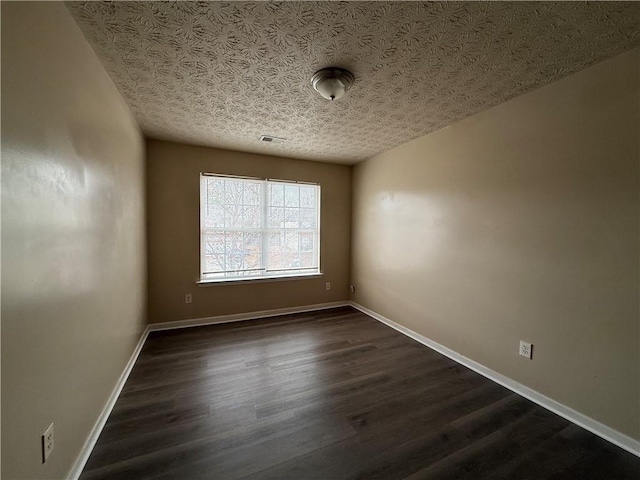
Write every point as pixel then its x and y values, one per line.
pixel 222 74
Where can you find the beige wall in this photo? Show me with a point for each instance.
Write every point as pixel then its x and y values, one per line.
pixel 73 246
pixel 519 223
pixel 173 201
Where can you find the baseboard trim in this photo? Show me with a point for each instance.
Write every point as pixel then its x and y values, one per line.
pixel 89 444
pixel 240 317
pixel 617 438
pixel 87 448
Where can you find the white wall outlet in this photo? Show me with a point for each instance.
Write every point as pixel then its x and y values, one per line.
pixel 188 298
pixel 352 289
pixel 47 443
pixel 328 286
pixel 526 349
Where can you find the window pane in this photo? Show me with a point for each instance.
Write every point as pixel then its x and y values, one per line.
pixel 291 216
pixel 232 217
pixel 292 196
pixel 215 190
pixel 234 262
pixel 215 263
pixel 306 242
pixel 232 192
pixel 276 258
pixel 307 218
pixel 252 261
pixel 252 194
pixel 214 216
pixel 251 217
pixel 253 241
pixel 276 195
pixel 215 242
pixel 291 241
pixel 307 196
pixel 292 249
pixel 275 217
pixel 306 259
pixel 234 242
pixel 275 239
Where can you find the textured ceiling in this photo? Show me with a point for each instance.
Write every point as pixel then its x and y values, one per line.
pixel 222 74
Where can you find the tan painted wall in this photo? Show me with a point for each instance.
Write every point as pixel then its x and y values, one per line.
pixel 173 201
pixel 519 223
pixel 73 246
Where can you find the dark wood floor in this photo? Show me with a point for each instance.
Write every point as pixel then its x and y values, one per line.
pixel 330 395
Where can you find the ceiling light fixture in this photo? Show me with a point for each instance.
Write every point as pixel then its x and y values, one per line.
pixel 333 82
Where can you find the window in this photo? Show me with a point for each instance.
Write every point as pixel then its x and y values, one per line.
pixel 254 228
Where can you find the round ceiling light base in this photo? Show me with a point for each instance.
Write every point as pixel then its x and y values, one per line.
pixel 333 82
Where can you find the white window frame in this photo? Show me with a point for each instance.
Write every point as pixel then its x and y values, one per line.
pixel 262 274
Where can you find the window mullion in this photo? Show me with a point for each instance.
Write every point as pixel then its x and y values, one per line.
pixel 264 235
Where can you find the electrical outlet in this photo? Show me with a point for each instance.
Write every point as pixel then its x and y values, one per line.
pixel 526 349
pixel 328 286
pixel 47 443
pixel 352 289
pixel 188 298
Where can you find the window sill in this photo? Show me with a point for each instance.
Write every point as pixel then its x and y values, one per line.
pixel 244 281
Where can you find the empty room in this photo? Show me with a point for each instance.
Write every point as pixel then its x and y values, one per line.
pixel 320 240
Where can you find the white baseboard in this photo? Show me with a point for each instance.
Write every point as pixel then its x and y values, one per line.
pixel 617 438
pixel 623 441
pixel 87 448
pixel 239 317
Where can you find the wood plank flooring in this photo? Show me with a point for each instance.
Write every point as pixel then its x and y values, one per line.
pixel 332 394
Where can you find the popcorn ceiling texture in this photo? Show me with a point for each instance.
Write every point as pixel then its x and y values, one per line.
pixel 222 74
